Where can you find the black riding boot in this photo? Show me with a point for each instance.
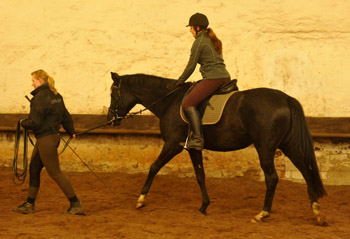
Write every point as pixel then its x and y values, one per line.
pixel 195 141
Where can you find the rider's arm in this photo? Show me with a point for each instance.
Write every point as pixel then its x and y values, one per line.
pixel 192 63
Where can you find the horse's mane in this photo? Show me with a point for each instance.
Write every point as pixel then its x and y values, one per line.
pixel 147 81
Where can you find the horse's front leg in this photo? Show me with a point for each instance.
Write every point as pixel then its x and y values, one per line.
pixel 168 152
pixel 197 161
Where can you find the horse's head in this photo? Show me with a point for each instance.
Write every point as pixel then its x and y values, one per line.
pixel 122 101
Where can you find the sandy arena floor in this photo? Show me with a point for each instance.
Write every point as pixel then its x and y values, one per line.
pixel 171 210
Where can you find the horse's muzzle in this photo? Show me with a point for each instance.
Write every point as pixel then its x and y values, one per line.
pixel 116 122
pixel 111 117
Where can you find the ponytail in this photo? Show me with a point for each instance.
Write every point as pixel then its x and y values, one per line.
pixel 216 42
pixel 41 74
pixel 51 83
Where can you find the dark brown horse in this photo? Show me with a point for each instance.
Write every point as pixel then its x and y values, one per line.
pixel 269 119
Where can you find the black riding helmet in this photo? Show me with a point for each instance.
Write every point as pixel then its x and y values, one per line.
pixel 198 19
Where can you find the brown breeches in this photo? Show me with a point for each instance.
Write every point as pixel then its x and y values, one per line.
pixel 45 155
pixel 201 91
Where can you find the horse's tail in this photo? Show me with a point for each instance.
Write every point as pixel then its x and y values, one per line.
pixel 300 139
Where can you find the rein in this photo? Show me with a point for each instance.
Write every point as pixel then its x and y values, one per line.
pixel 155 102
pixel 84 132
pixel 132 114
pixel 76 154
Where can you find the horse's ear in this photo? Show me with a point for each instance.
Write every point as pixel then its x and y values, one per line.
pixel 114 76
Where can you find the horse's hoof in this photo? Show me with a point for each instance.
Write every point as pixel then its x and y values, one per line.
pixel 321 220
pixel 139 205
pixel 204 207
pixel 203 211
pixel 260 217
pixel 141 202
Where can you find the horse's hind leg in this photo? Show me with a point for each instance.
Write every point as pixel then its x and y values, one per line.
pixel 296 156
pixel 197 161
pixel 271 179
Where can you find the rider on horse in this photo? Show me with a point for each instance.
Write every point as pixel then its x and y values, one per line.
pixel 207 51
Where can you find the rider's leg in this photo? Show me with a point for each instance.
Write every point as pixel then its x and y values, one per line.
pixel 196 140
pixel 201 91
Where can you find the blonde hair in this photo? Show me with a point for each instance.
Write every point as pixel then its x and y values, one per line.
pixel 41 74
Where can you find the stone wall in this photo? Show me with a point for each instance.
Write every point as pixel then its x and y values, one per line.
pixel 136 153
pixel 300 47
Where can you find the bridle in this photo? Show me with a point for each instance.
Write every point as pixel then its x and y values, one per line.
pixel 130 115
pixel 119 96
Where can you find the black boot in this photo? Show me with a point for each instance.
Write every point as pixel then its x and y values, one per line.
pixel 25 208
pixel 75 208
pixel 195 141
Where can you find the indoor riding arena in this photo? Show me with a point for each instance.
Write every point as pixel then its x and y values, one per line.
pixel 300 48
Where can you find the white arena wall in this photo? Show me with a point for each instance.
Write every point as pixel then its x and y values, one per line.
pixel 299 47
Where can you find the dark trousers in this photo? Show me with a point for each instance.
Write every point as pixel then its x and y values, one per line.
pixel 45 155
pixel 201 91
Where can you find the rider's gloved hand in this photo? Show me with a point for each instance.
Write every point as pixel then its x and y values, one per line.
pixel 173 85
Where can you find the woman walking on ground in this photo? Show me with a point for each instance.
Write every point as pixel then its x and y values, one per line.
pixel 47 114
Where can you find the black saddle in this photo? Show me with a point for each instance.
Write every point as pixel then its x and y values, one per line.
pixel 227 87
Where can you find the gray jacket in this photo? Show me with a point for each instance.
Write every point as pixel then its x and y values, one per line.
pixel 212 63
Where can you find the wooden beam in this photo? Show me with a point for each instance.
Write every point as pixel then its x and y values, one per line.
pixel 327 127
pixel 139 124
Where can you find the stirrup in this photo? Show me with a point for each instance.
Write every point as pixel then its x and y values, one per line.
pixel 184 144
pixel 187 145
pixel 196 143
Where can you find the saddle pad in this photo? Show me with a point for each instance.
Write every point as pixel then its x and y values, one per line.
pixel 213 110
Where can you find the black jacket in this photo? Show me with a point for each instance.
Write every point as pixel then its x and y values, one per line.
pixel 47 113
